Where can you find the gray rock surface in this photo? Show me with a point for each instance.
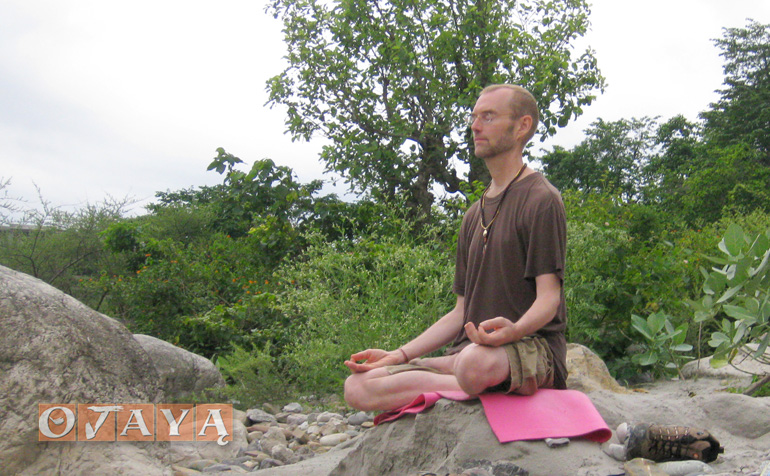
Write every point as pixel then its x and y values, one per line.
pixel 54 349
pixel 181 372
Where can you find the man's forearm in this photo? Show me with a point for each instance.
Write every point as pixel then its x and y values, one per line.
pixel 543 310
pixel 437 335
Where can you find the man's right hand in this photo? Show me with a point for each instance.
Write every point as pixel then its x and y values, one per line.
pixel 372 359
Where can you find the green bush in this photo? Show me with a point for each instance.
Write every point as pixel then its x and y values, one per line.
pixel 349 296
pixel 252 377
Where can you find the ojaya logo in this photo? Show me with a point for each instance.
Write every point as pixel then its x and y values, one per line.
pixel 135 422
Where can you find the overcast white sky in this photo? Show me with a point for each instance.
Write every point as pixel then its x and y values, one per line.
pixel 107 97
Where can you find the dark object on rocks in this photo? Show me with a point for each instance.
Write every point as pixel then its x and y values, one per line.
pixel 670 443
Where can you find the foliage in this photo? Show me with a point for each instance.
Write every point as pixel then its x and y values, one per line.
pixel 663 341
pixel 266 190
pixel 252 377
pixel 617 267
pixel 609 159
pixel 390 83
pixel 741 115
pixel 59 246
pixel 736 293
pixel 349 296
pixel 9 205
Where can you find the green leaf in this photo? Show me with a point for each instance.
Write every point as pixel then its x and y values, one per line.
pixel 729 293
pixel 648 358
pixel 762 346
pixel 733 241
pixel 718 338
pixel 718 361
pixel 682 348
pixel 739 312
pixel 641 325
pixel 656 321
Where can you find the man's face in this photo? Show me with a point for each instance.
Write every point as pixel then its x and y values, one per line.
pixel 498 135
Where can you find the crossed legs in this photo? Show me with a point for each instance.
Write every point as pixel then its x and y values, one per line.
pixel 472 370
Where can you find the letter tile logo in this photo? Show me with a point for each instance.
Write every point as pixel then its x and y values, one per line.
pixel 214 422
pixel 97 422
pixel 56 422
pixel 136 422
pixel 176 422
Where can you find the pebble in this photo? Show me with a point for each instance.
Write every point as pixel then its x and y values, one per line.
pixel 255 415
pixel 293 408
pixel 281 436
pixel 334 439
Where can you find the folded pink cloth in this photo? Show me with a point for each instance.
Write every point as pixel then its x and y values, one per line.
pixel 546 414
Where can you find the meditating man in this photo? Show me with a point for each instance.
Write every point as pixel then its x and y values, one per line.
pixel 506 330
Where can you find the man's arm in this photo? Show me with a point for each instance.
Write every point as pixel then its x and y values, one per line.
pixel 436 336
pixel 499 331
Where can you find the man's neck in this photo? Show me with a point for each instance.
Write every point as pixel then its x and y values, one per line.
pixel 503 169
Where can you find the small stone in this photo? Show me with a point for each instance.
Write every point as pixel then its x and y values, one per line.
pixel 359 418
pixel 328 416
pixel 334 426
pixel 257 455
pixel 256 415
pixel 182 471
pixel 258 427
pixel 215 468
pixel 274 436
pixel 282 417
pixel 314 430
pixel 506 468
pixel 270 408
pixel 282 453
pixel 253 436
pixel 296 419
pixel 300 436
pixel 303 453
pixel 240 415
pixel 312 417
pixel 556 442
pixel 200 464
pixel 334 439
pixel 269 463
pixel 293 408
pixel 367 424
pixel 476 472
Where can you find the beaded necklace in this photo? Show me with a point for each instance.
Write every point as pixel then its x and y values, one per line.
pixel 484 226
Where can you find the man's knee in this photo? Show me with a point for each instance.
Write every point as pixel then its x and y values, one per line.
pixel 358 394
pixel 478 368
pixel 353 390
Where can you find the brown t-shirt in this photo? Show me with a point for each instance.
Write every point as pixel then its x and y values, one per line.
pixel 526 240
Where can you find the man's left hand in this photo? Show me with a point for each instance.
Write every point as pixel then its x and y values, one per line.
pixel 493 332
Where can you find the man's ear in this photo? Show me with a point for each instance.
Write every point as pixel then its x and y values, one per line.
pixel 525 124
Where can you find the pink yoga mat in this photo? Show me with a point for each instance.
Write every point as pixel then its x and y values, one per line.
pixel 546 414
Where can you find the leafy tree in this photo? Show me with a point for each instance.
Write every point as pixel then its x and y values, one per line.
pixel 742 114
pixel 723 180
pixel 390 83
pixel 666 173
pixel 610 159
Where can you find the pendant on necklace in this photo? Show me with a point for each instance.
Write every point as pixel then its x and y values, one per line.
pixel 486 232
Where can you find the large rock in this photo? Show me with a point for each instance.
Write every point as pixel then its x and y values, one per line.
pixel 452 437
pixel 742 367
pixel 54 349
pixel 182 373
pixel 588 372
